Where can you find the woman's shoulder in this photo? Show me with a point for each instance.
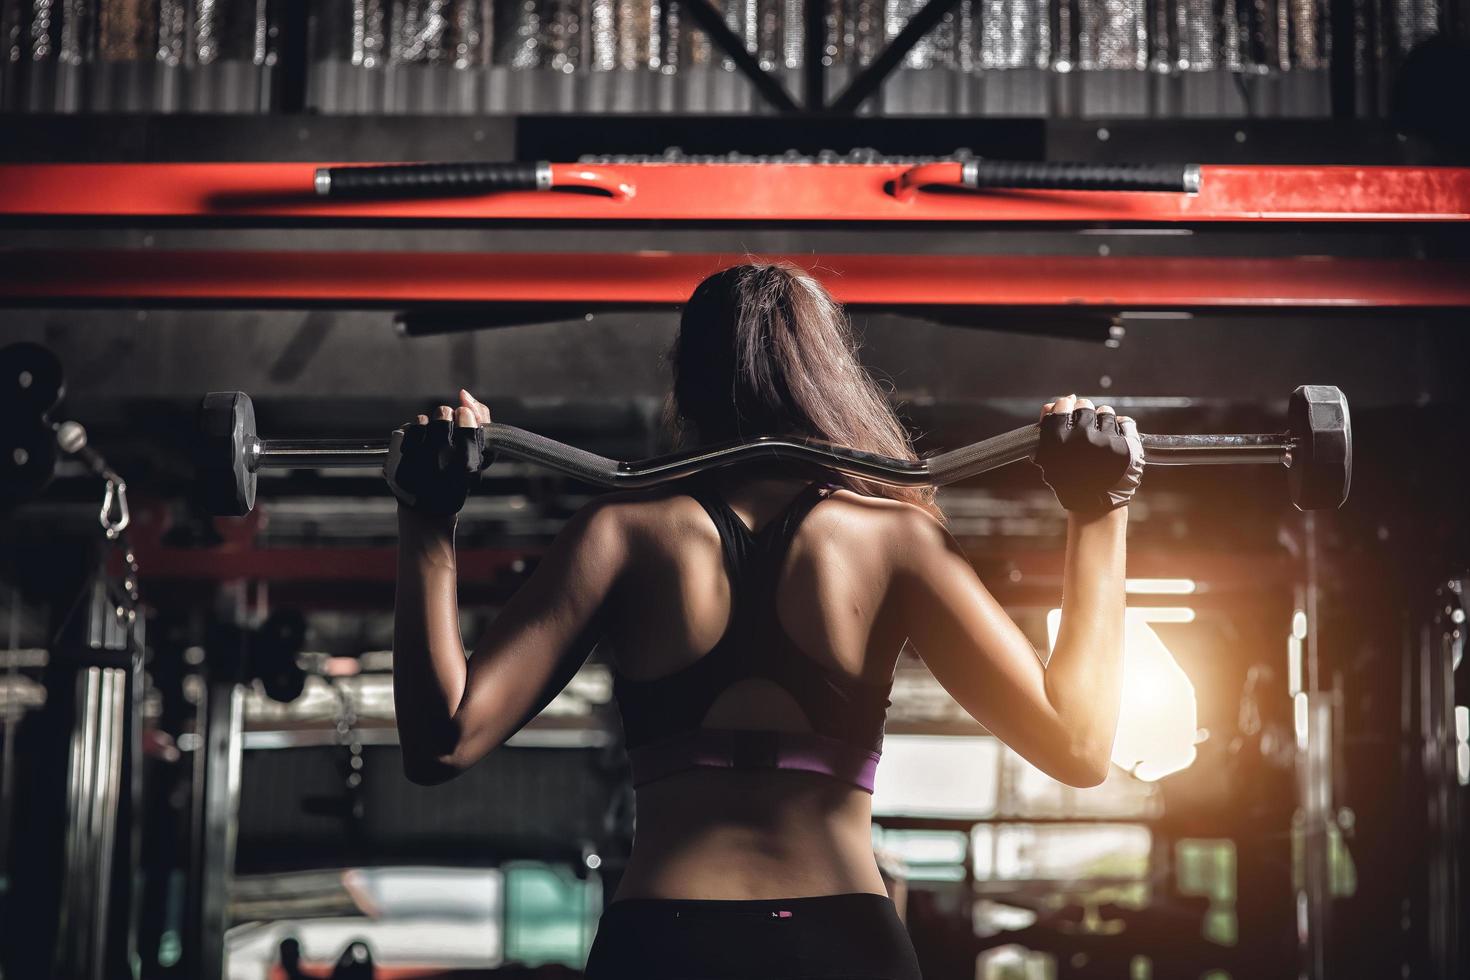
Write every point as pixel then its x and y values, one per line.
pixel 876 513
pixel 652 509
pixel 905 538
pixel 842 511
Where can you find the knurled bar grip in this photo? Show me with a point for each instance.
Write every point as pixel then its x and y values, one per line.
pixel 410 179
pixel 1035 175
pixel 534 448
pixel 943 468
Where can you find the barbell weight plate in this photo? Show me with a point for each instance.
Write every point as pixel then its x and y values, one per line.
pixel 31 379
pixel 27 459
pixel 1321 470
pixel 227 437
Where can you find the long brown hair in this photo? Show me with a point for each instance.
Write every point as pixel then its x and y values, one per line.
pixel 764 349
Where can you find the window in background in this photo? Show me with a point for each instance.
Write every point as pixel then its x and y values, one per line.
pixel 414 917
pixel 937 776
pixel 1026 791
pixel 448 918
pixel 550 914
pixel 1060 852
pixel 1207 868
pixel 927 855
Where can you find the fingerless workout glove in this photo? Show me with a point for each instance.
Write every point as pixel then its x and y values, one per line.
pixel 1093 463
pixel 430 467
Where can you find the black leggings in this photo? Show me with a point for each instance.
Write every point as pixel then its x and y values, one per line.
pixel 855 937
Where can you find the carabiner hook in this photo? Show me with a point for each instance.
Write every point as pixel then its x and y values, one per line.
pixel 114 501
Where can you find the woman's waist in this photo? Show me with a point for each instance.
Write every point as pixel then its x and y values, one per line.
pixel 762 806
pixel 785 907
pixel 780 841
pixel 709 854
pixel 741 875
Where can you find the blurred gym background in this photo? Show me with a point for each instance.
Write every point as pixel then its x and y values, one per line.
pixel 1298 810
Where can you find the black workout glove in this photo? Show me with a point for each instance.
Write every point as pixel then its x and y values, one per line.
pixel 430 467
pixel 1092 462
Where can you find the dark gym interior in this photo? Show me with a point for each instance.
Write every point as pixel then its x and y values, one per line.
pixel 200 774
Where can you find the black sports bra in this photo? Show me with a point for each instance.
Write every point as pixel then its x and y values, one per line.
pixel 662 717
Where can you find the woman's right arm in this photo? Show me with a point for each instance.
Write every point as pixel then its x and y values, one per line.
pixel 1060 716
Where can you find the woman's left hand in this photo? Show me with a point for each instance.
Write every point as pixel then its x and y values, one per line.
pixel 1092 458
pixel 431 463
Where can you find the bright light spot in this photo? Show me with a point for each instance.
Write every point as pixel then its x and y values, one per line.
pixel 1032 852
pixel 1299 718
pixel 1293 664
pixel 1462 750
pixel 993 917
pixel 1299 625
pixel 1163 614
pixel 926 847
pixel 1159 586
pixel 1158 721
pixel 594 861
pixel 937 775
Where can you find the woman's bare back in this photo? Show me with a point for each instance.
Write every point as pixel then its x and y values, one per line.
pixel 737 834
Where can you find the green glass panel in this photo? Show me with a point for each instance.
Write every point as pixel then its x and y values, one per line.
pixel 550 915
pixel 1343 873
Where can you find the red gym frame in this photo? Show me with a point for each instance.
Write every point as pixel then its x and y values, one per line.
pixel 762 193
pixel 421 279
pixel 222 195
pixel 860 196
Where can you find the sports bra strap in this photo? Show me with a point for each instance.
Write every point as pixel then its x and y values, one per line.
pixel 796 512
pixel 735 538
pixel 755 554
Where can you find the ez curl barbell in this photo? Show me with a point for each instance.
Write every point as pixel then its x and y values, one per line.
pixel 1317 448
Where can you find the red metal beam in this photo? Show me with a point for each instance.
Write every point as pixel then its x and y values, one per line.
pixel 734 192
pixel 344 279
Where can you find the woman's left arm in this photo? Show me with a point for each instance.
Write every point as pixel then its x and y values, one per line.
pixel 451 710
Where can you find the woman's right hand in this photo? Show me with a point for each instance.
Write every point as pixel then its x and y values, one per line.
pixel 1090 457
pixel 431 464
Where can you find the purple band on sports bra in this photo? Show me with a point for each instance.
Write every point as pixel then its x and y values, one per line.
pixel 725 748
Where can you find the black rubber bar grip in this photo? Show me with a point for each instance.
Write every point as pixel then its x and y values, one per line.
pixel 431 179
pixel 1183 178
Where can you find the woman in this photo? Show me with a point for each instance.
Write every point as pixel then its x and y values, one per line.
pixel 754 618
